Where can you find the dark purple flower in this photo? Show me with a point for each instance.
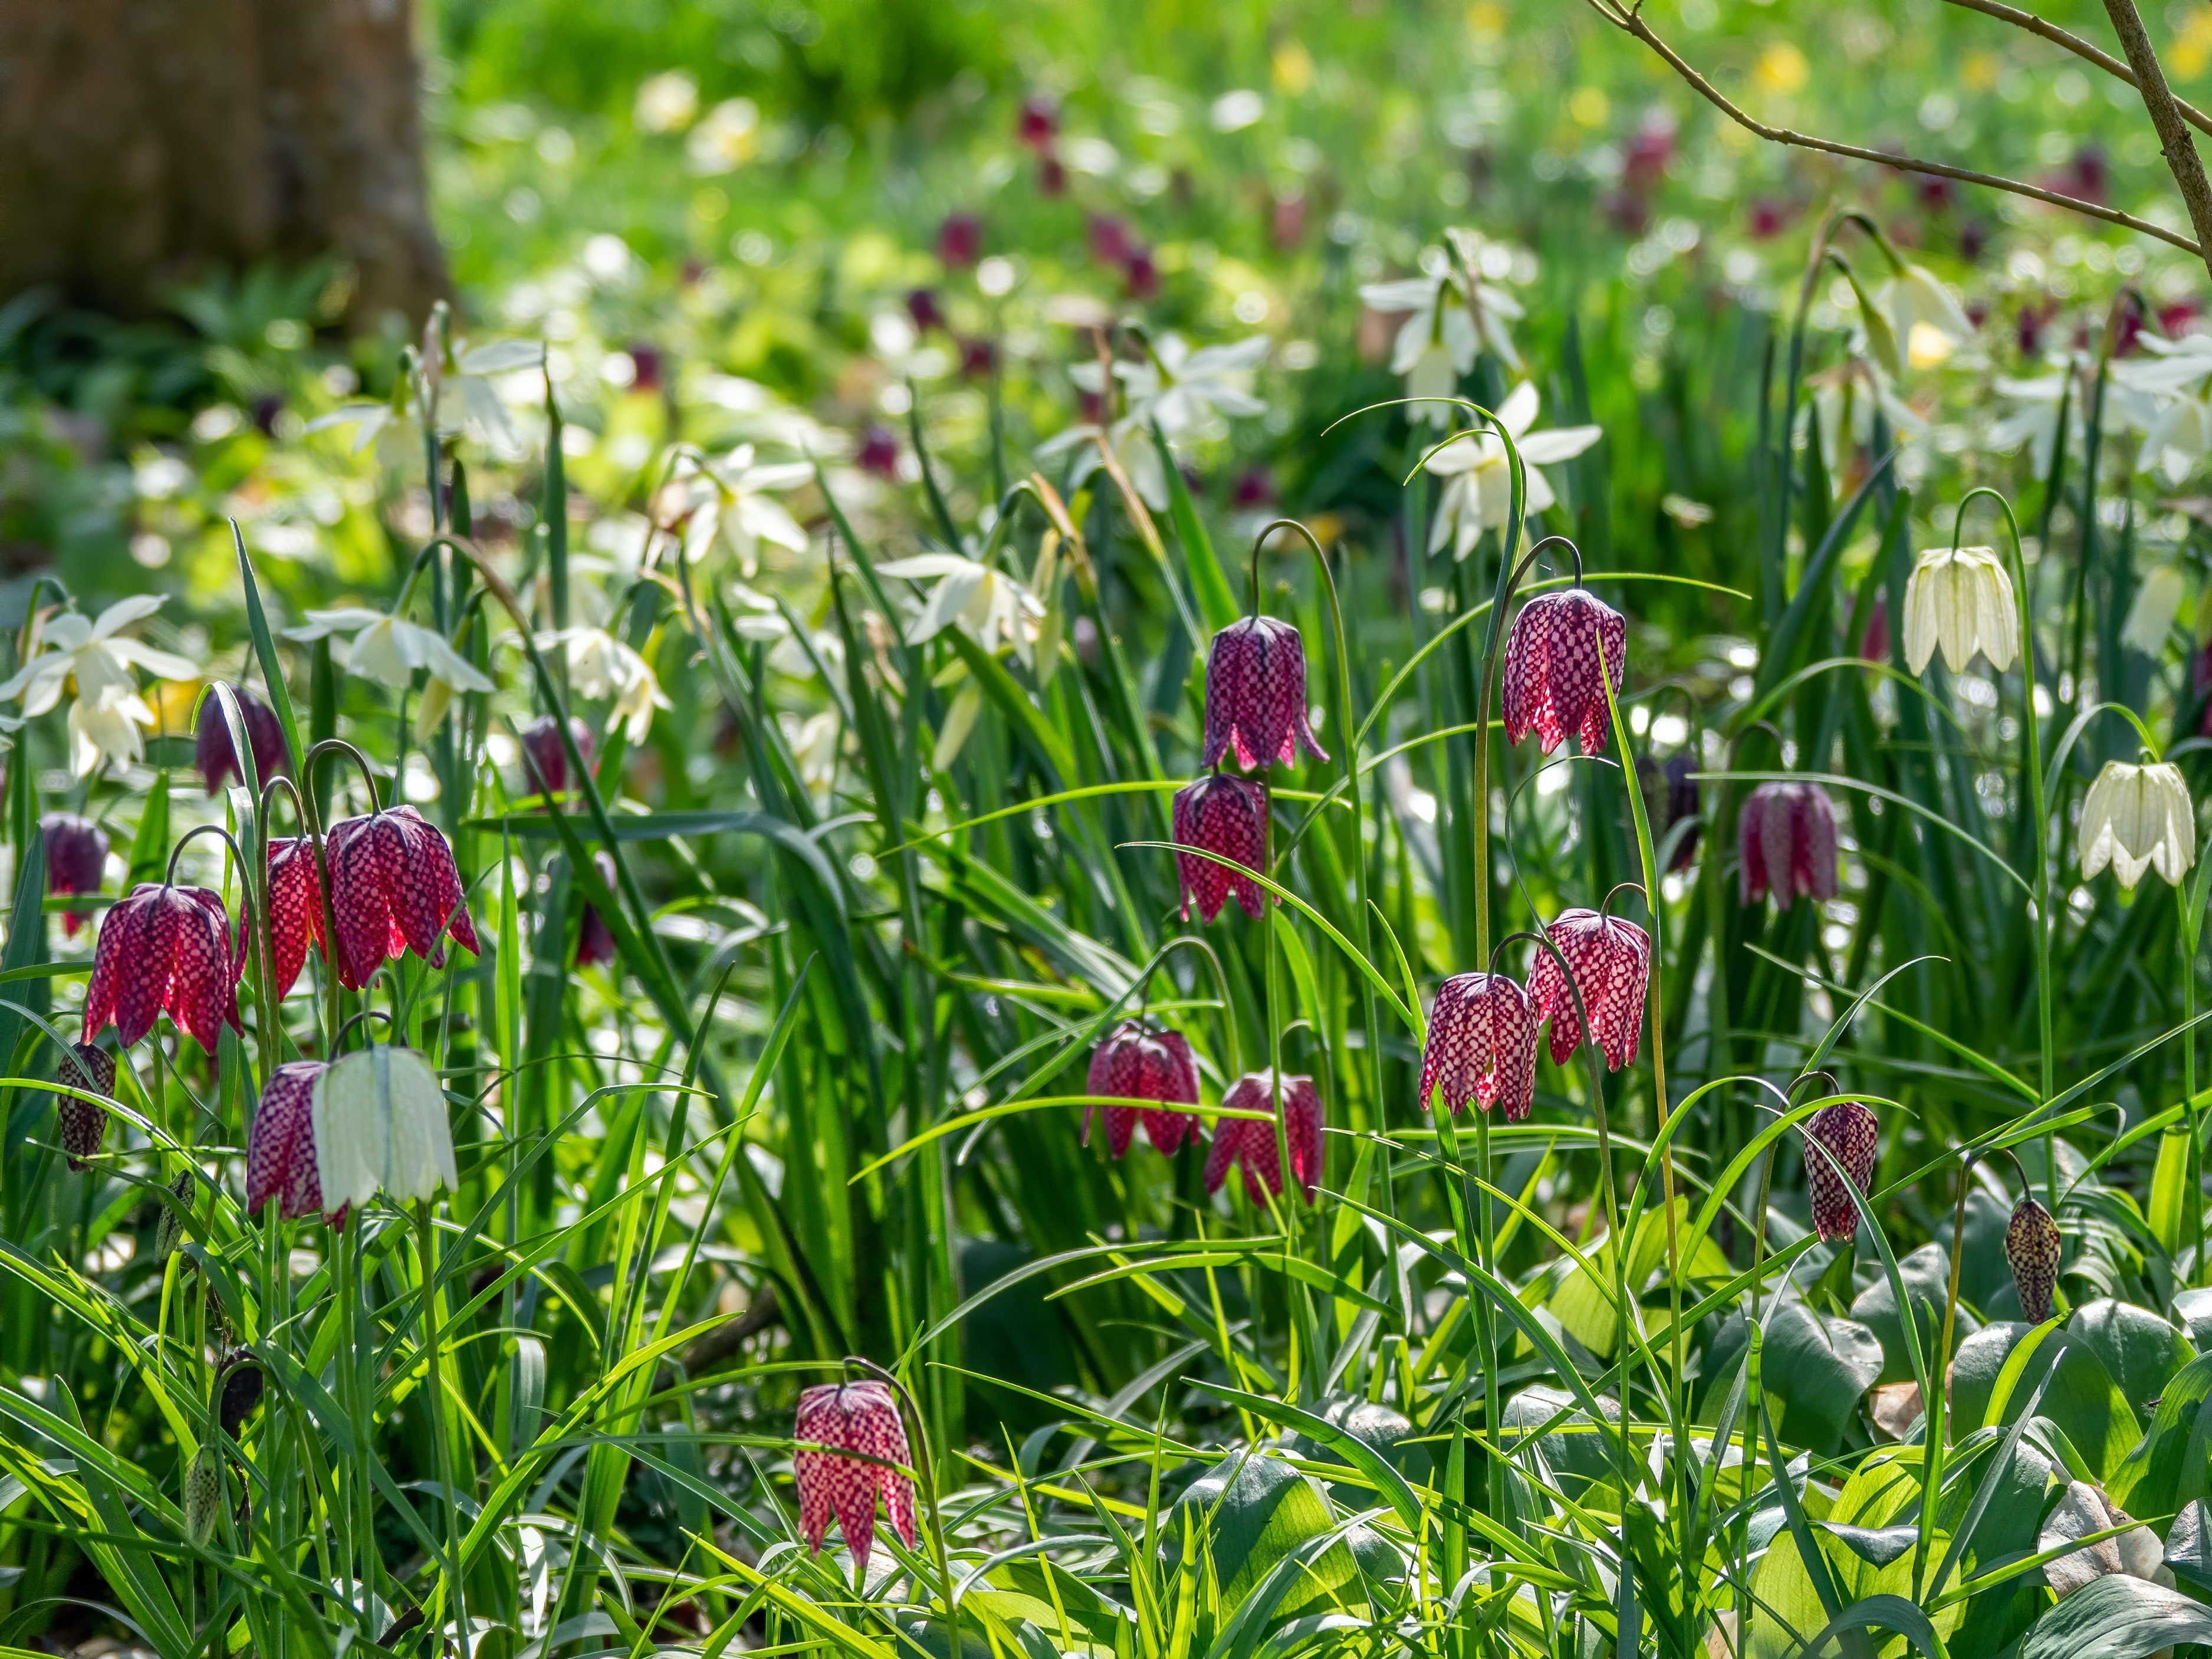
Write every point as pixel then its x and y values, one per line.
pixel 880 452
pixel 162 949
pixel 1551 669
pixel 1256 488
pixel 76 859
pixel 1481 1046
pixel 1038 123
pixel 1140 274
pixel 1611 960
pixel 649 361
pixel 1227 816
pixel 2032 1250
pixel 280 1143
pixel 921 306
pixel 1052 174
pixel 1255 694
pixel 1785 839
pixel 1874 639
pixel 83 1123
pixel 851 1417
pixel 978 357
pixel 1135 1062
pixel 960 239
pixel 545 758
pixel 1109 238
pixel 1850 1131
pixel 595 940
pixel 296 909
pixel 393 886
pixel 211 739
pixel 1251 1141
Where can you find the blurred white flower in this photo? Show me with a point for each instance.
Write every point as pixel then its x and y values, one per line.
pixel 378 1116
pixel 107 720
pixel 464 395
pixel 989 603
pixel 1846 400
pixel 1962 598
pixel 666 102
pixel 725 140
pixel 389 650
pixel 2033 418
pixel 732 501
pixel 1479 496
pixel 2150 617
pixel 1130 440
pixel 601 665
pixel 2138 819
pixel 815 743
pixel 1448 318
pixel 2167 396
pixel 1925 318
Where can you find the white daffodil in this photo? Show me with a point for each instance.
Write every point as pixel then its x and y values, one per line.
pixel 2167 395
pixel 601 665
pixel 1962 598
pixel 1479 496
pixel 380 1123
pixel 1846 400
pixel 1925 317
pixel 1448 319
pixel 389 650
pixel 2150 617
pixel 2033 419
pixel 733 501
pixel 1130 440
pixel 990 604
pixel 464 394
pixel 815 743
pixel 2178 437
pixel 2138 819
pixel 109 717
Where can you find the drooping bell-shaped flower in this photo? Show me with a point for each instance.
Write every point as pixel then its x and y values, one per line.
pixel 1551 669
pixel 393 886
pixel 839 1420
pixel 380 1122
pixel 280 1143
pixel 1961 599
pixel 2136 818
pixel 1135 1062
pixel 1849 1131
pixel 84 1124
pixel 1785 841
pixel 1611 960
pixel 164 949
pixel 218 757
pixel 1229 816
pixel 295 910
pixel 77 858
pixel 545 758
pixel 1482 1045
pixel 2032 1250
pixel 1256 695
pixel 1670 797
pixel 595 940
pixel 1251 1140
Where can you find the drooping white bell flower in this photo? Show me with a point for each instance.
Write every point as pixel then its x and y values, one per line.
pixel 1925 317
pixel 1479 496
pixel 2137 819
pixel 1962 598
pixel 990 604
pixel 601 665
pixel 380 1124
pixel 389 650
pixel 2150 617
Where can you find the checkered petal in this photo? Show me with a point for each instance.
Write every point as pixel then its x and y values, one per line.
pixel 1170 1074
pixel 1751 873
pixel 1610 959
pixel 361 851
pixel 1302 1130
pixel 1851 1132
pixel 1251 1141
pixel 1786 840
pixel 295 911
pixel 280 1143
pixel 854 1417
pixel 1813 848
pixel 1551 684
pixel 203 990
pixel 1482 1045
pixel 265 735
pixel 1228 817
pixel 1116 1067
pixel 77 858
pixel 103 991
pixel 2033 1247
pixel 131 964
pixel 425 889
pixel 84 1125
pixel 1255 694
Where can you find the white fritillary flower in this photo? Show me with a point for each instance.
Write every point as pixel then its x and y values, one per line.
pixel 2138 819
pixel 1962 598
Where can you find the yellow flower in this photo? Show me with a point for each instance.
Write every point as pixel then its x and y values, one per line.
pixel 2138 817
pixel 1962 598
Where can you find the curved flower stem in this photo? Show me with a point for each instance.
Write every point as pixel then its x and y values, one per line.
pixel 312 813
pixel 928 1470
pixel 1221 986
pixel 2031 753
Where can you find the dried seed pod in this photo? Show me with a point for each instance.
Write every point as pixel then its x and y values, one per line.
pixel 169 1230
pixel 203 1494
pixel 2032 1247
pixel 1850 1131
pixel 240 1393
pixel 84 1125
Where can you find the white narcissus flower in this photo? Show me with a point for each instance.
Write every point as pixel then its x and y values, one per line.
pixel 1479 494
pixel 733 501
pixel 601 665
pixel 2138 819
pixel 989 603
pixel 389 650
pixel 378 1116
pixel 106 721
pixel 1925 317
pixel 1130 440
pixel 2150 617
pixel 1846 400
pixel 1962 598
pixel 1447 323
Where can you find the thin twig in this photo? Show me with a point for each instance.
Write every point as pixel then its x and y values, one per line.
pixel 2181 157
pixel 1630 24
pixel 2086 50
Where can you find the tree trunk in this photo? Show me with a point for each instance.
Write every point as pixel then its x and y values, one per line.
pixel 144 141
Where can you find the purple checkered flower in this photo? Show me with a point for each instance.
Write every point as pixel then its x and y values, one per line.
pixel 212 748
pixel 1611 960
pixel 1251 1141
pixel 851 1417
pixel 1228 816
pixel 1785 839
pixel 1135 1062
pixel 1256 695
pixel 1851 1132
pixel 2032 1250
pixel 1552 658
pixel 1482 1045
pixel 76 859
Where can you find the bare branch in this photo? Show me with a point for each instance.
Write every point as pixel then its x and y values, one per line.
pixel 2181 157
pixel 1630 22
pixel 2086 50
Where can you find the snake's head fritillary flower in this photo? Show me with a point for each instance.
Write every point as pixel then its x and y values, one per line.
pixel 394 887
pixel 1551 669
pixel 1670 796
pixel 164 950
pixel 76 858
pixel 1611 960
pixel 1482 1045
pixel 1227 816
pixel 1251 1141
pixel 379 1123
pixel 1785 841
pixel 545 758
pixel 1135 1062
pixel 960 239
pixel 280 1143
pixel 84 1124
pixel 1850 1131
pixel 295 911
pixel 265 735
pixel 838 1419
pixel 1961 599
pixel 2032 1250
pixel 2136 818
pixel 1256 695
pixel 1037 122
pixel 595 940
pixel 1874 638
